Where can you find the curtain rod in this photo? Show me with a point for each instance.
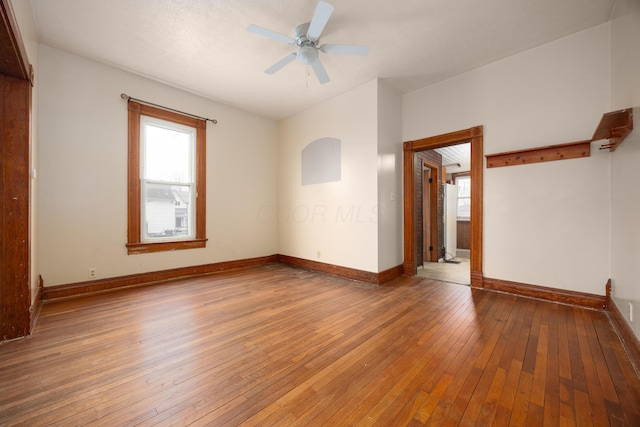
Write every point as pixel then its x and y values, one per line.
pixel 130 98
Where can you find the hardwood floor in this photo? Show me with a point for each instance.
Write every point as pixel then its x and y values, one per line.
pixel 275 345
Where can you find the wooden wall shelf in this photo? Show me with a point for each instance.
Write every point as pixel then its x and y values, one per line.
pixel 614 126
pixel 549 153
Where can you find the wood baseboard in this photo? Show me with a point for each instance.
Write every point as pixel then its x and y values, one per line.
pixel 580 299
pixel 344 272
pixel 112 283
pixel 630 341
pixel 390 274
pixel 93 286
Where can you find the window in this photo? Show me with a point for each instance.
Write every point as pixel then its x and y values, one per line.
pixel 166 180
pixel 464 197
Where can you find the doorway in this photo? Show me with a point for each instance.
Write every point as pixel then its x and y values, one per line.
pixel 474 136
pixel 428 211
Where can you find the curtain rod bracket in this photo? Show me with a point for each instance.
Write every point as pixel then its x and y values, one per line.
pixel 130 98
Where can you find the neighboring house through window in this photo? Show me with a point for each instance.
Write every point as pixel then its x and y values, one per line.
pixel 166 180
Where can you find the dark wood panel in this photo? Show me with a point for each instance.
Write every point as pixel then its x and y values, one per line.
pixel 14 238
pixel 275 345
pixel 463 234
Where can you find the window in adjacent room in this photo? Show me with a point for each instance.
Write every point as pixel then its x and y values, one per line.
pixel 166 180
pixel 464 197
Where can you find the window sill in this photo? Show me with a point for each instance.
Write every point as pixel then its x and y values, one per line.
pixel 144 248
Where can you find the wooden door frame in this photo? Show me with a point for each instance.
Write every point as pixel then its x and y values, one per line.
pixel 433 213
pixel 474 136
pixel 16 78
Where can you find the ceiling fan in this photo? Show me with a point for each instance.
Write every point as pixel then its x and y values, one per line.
pixel 307 39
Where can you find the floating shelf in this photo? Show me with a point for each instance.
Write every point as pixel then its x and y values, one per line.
pixel 614 126
pixel 549 153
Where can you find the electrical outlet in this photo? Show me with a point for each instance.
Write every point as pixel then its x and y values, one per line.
pixel 318 254
pixel 630 312
pixel 92 273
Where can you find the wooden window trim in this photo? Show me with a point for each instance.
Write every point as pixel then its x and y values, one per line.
pixel 455 176
pixel 134 243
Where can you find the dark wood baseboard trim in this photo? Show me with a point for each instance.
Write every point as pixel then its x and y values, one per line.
pixel 112 283
pixel 345 272
pixel 580 299
pixel 93 286
pixel 335 270
pixel 390 274
pixel 629 340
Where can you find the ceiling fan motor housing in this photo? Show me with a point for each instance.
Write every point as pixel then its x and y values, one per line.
pixel 307 53
pixel 301 35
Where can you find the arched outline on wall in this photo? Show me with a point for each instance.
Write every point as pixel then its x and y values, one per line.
pixel 474 136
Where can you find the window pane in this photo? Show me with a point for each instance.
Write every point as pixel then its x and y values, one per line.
pixel 167 211
pixel 167 154
pixel 464 208
pixel 464 186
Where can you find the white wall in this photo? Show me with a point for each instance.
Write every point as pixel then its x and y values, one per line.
pixel 546 223
pixel 83 174
pixel 337 219
pixel 625 193
pixel 26 24
pixel 390 203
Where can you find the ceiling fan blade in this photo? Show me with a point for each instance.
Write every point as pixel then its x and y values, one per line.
pixel 321 73
pixel 271 34
pixel 284 61
pixel 320 17
pixel 345 49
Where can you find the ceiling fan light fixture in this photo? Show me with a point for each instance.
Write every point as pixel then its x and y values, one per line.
pixel 307 39
pixel 307 55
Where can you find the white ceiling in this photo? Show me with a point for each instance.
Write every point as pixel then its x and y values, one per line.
pixel 455 155
pixel 203 46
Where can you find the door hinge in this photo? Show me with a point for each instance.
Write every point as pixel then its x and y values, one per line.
pixel 430 248
pixel 430 180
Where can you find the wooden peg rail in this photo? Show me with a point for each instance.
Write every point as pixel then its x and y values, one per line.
pixel 614 126
pixel 540 154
